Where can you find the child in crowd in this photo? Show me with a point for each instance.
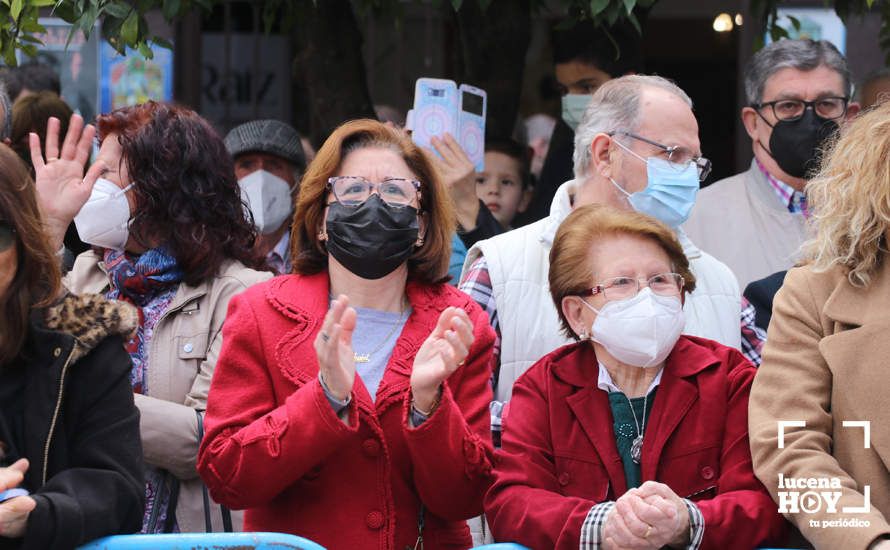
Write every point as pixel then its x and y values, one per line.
pixel 505 184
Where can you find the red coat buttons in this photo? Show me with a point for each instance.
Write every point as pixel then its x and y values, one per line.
pixel 564 478
pixel 374 520
pixel 707 473
pixel 371 448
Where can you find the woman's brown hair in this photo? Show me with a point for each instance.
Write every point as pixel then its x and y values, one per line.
pixel 186 193
pixel 429 262
pixel 570 269
pixel 30 114
pixel 36 282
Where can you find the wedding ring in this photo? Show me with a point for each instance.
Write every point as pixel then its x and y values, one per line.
pixel 462 363
pixel 50 159
pixel 325 337
pixel 648 532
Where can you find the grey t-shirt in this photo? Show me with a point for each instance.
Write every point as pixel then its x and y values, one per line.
pixel 373 340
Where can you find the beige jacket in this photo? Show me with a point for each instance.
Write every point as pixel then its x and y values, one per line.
pixel 826 363
pixel 183 352
pixel 741 222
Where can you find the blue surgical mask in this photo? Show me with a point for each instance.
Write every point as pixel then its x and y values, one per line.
pixel 670 192
pixel 573 107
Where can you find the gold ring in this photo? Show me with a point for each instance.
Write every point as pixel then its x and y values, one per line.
pixel 50 159
pixel 648 532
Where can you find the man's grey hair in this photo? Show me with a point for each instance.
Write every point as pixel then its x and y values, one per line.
pixel 801 54
pixel 6 106
pixel 616 106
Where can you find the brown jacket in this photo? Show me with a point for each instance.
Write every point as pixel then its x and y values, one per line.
pixel 826 363
pixel 183 350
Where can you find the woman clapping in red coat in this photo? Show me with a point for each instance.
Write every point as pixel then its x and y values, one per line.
pixel 350 401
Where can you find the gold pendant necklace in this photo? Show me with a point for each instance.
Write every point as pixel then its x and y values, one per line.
pixel 366 357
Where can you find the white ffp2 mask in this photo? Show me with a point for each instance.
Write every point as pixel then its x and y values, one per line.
pixel 269 199
pixel 639 331
pixel 104 220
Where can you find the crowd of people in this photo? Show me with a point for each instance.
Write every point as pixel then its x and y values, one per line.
pixel 375 346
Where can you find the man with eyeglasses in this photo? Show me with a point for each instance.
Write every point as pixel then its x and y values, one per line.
pixel 798 92
pixel 637 147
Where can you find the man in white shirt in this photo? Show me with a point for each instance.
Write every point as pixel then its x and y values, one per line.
pixel 638 138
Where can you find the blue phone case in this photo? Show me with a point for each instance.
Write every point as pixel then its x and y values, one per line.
pixel 471 123
pixel 12 493
pixel 435 110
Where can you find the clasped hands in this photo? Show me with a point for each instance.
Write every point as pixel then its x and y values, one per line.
pixel 444 350
pixel 648 517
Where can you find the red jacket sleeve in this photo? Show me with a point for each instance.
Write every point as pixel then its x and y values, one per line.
pixel 741 499
pixel 254 449
pixel 524 504
pixel 451 453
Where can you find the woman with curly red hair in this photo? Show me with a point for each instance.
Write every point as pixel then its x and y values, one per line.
pixel 163 212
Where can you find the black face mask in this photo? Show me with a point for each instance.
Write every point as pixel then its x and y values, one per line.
pixel 373 239
pixel 794 145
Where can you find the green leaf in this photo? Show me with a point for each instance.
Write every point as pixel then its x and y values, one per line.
pixel 117 9
pixel 162 42
pixel 597 6
pixel 15 9
pixel 42 3
pixel 869 3
pixel 456 4
pixel 171 8
pixel 130 29
pixel 795 23
pixel 145 50
pixel 28 49
pixel 613 13
pixel 30 38
pixel 636 24
pixel 629 5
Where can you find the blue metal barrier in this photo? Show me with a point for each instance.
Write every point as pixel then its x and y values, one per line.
pixel 503 546
pixel 203 541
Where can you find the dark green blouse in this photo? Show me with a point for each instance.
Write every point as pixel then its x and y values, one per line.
pixel 625 429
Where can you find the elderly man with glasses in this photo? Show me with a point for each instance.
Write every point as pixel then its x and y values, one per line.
pixel 798 92
pixel 637 148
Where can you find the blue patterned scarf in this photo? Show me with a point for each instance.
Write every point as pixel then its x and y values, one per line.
pixel 149 282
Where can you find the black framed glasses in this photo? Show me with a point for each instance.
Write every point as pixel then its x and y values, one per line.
pixel 679 157
pixel 621 288
pixel 354 190
pixel 7 236
pixel 793 109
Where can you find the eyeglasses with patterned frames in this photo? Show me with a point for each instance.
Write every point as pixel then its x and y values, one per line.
pixel 621 288
pixel 355 190
pixel 7 236
pixel 676 155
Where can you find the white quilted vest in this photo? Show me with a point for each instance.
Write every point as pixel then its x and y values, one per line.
pixel 519 264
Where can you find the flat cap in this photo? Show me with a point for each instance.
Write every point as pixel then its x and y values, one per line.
pixel 267 136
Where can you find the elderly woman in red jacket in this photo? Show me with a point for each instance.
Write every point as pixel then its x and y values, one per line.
pixel 350 401
pixel 635 436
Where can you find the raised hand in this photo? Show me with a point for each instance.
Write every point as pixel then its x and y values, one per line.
pixel 333 346
pixel 62 187
pixel 440 355
pixel 14 512
pixel 459 176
